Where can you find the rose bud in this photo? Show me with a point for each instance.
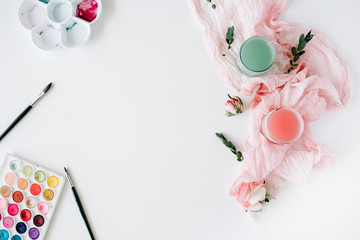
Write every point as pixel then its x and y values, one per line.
pixel 233 106
pixel 251 196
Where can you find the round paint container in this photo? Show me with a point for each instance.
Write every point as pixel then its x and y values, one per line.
pixel 13 209
pixel 8 222
pixel 40 176
pixel 35 189
pixel 10 178
pixel 53 181
pixel 4 234
pixel 21 227
pixel 56 23
pixel 39 220
pixel 34 233
pixel 5 191
pixel 14 165
pixel 257 55
pixel 18 196
pixel 283 125
pixel 22 184
pixel 16 237
pixel 43 208
pixel 59 11
pixel 25 215
pixel 27 171
pixel 30 202
pixel 48 194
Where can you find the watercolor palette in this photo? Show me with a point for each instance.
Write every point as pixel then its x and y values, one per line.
pixel 56 23
pixel 28 197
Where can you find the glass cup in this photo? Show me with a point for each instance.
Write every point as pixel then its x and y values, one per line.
pixel 257 55
pixel 283 125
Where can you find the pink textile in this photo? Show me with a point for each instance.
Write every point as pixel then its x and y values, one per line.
pixel 320 82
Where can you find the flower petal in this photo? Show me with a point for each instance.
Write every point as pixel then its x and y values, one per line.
pixel 255 208
pixel 257 195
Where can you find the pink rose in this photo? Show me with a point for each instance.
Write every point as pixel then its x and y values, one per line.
pixel 251 196
pixel 233 106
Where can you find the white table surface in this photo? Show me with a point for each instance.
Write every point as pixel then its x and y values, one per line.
pixel 133 114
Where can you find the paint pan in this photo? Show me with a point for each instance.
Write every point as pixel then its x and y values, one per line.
pixel 46 36
pixel 74 33
pixel 59 22
pixel 32 13
pixel 87 10
pixel 59 11
pixel 28 197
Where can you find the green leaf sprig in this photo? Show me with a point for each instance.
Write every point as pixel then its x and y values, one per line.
pixel 212 5
pixel 230 145
pixel 297 52
pixel 230 36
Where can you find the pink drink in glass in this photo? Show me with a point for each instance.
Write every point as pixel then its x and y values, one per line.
pixel 283 125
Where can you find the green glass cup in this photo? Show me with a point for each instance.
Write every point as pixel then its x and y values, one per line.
pixel 257 55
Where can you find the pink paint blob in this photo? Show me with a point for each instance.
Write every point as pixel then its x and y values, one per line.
pixel 8 222
pixel 10 178
pixel 3 204
pixel 43 208
pixel 285 125
pixel 87 10
pixel 13 209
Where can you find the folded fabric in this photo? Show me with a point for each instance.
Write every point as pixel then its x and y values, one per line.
pixel 320 82
pixel 260 17
pixel 280 163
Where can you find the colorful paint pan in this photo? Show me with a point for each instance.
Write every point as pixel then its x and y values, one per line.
pixel 30 202
pixel 27 171
pixel 28 197
pixel 16 237
pixel 53 181
pixel 21 227
pixel 22 184
pixel 35 189
pixel 39 220
pixel 34 233
pixel 18 197
pixel 4 235
pixel 40 176
pixel 48 195
pixel 5 191
pixel 13 209
pixel 43 208
pixel 14 165
pixel 10 178
pixel 8 222
pixel 25 215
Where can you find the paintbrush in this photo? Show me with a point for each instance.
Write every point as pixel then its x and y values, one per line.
pixel 78 202
pixel 18 119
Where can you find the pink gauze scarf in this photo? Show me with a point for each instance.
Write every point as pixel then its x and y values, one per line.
pixel 320 82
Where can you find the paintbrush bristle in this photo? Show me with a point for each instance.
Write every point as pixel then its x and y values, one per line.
pixel 47 87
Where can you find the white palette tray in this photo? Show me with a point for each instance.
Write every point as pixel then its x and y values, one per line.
pixel 56 23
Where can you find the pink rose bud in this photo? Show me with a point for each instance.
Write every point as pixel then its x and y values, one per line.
pixel 233 106
pixel 251 196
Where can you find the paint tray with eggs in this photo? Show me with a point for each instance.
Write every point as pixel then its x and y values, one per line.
pixel 56 23
pixel 28 196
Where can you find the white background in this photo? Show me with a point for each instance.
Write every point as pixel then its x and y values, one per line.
pixel 133 114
